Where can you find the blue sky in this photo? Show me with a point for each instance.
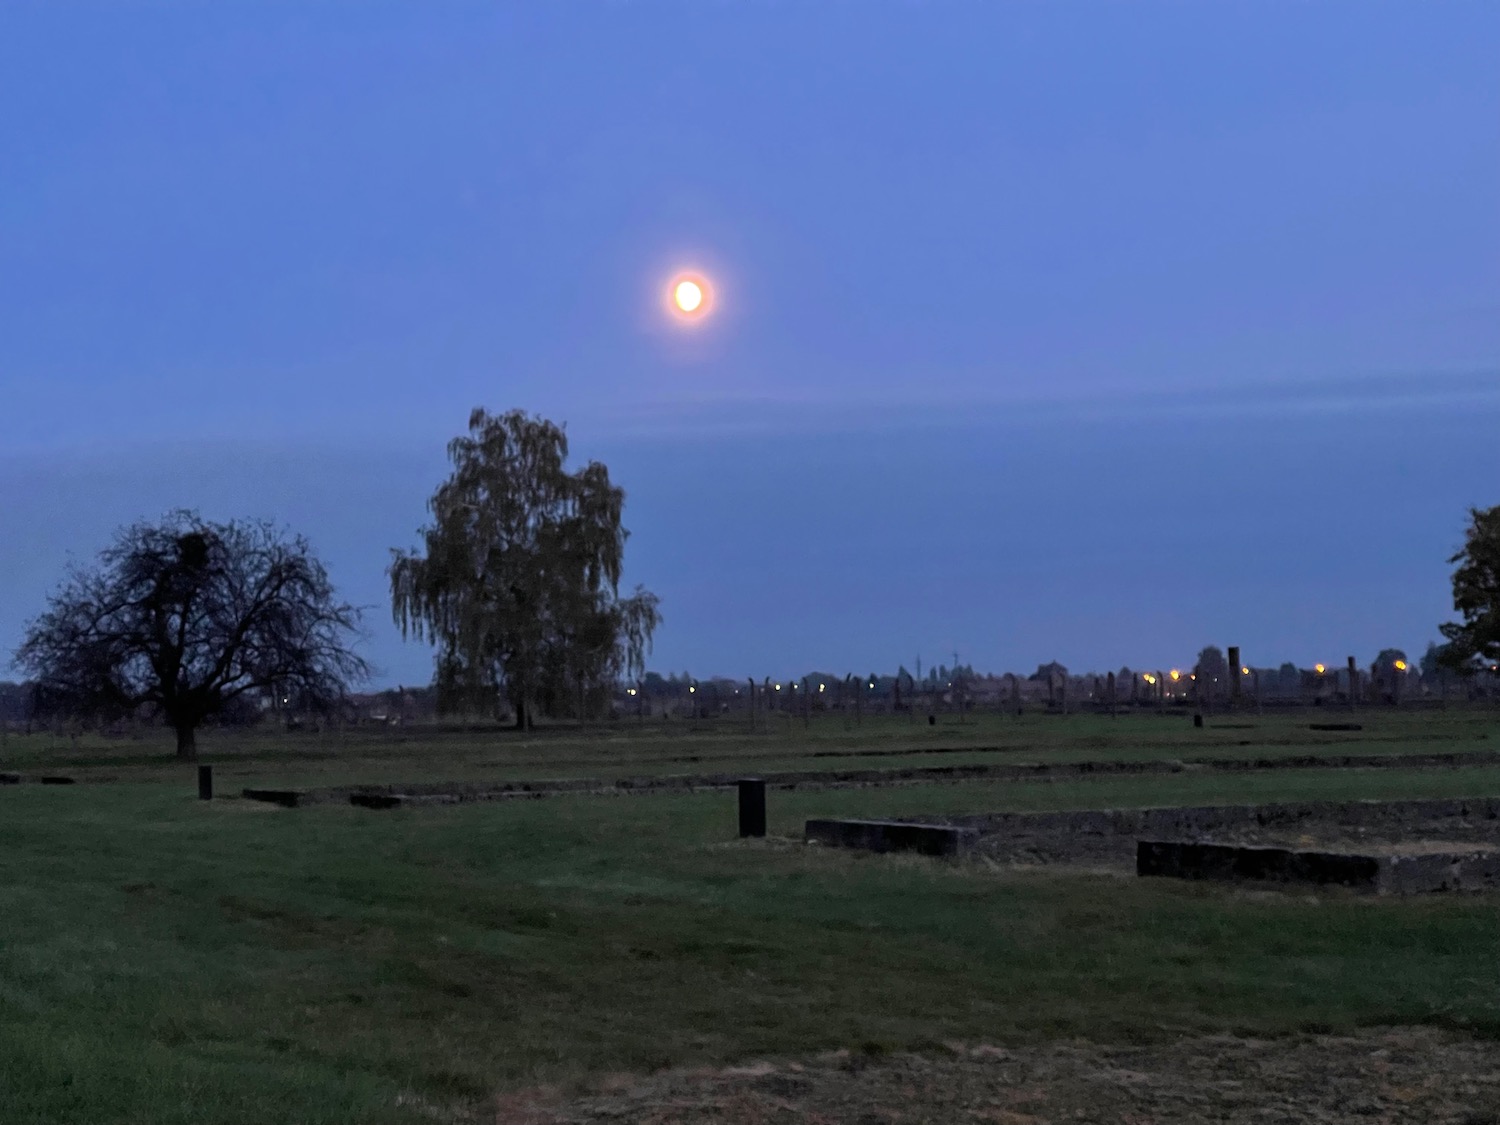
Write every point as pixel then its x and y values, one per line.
pixel 1093 332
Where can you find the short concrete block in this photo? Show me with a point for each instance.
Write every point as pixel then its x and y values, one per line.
pixel 1415 868
pixel 287 798
pixel 376 800
pixel 1229 862
pixel 402 800
pixel 892 836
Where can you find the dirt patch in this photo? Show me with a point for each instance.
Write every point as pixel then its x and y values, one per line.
pixel 1413 1076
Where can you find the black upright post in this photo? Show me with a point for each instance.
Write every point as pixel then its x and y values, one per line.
pixel 205 783
pixel 752 806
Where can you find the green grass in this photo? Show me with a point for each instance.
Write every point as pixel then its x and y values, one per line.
pixel 164 960
pixel 791 808
pixel 385 755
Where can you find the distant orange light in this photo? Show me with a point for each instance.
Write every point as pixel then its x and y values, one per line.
pixel 1318 668
pixel 1400 665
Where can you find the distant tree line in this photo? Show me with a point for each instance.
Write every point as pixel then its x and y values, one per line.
pixel 190 623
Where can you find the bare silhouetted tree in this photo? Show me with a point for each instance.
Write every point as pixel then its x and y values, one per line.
pixel 185 618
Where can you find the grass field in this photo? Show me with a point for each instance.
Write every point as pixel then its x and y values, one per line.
pixel 380 755
pixel 166 960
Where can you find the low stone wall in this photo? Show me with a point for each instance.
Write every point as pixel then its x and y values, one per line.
pixel 1417 838
pixel 1228 862
pixel 862 778
pixel 891 836
pixel 401 800
pixel 296 798
pixel 1108 836
pixel 1417 872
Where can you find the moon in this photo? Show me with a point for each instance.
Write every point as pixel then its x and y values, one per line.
pixel 688 296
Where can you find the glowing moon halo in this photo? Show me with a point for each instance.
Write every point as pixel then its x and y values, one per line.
pixel 688 295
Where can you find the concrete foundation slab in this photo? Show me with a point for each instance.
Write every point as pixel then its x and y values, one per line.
pixel 287 798
pixel 891 836
pixel 402 800
pixel 1396 869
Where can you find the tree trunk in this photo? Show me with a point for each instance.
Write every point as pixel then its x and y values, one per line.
pixel 523 716
pixel 187 743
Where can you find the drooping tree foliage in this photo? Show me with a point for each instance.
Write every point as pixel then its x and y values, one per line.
pixel 184 619
pixel 518 582
pixel 1474 642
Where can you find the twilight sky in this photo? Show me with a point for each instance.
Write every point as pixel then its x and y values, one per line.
pixel 1089 332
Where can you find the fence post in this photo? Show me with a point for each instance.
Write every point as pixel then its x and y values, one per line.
pixel 1110 687
pixel 205 783
pixel 752 806
pixel 1353 682
pixel 1234 676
